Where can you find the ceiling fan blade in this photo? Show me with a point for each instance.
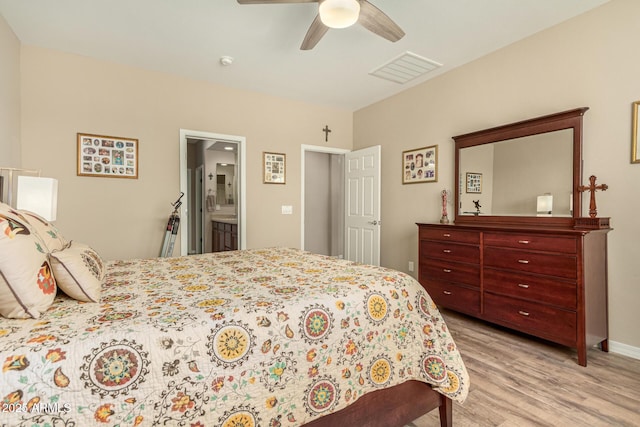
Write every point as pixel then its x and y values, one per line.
pixel 376 21
pixel 275 1
pixel 314 34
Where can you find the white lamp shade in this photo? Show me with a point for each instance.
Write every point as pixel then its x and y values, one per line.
pixel 339 13
pixel 545 204
pixel 38 195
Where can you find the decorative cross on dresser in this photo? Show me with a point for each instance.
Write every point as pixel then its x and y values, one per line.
pixel 592 187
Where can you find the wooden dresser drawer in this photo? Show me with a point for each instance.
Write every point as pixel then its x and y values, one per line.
pixel 450 251
pixel 468 274
pixel 564 266
pixel 532 242
pixel 450 235
pixel 530 317
pixel 546 290
pixel 455 297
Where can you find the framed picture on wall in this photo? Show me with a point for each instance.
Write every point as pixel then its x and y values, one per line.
pixel 635 156
pixel 107 156
pixel 420 165
pixel 474 182
pixel 274 166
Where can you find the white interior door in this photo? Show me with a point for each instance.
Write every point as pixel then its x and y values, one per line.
pixel 362 205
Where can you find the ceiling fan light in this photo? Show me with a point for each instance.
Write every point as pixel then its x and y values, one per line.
pixel 339 13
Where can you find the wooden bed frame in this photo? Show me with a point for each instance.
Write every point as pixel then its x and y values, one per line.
pixel 392 407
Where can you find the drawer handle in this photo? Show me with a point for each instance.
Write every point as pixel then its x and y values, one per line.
pixel 446 235
pixel 523 313
pixel 522 285
pixel 446 270
pixel 523 261
pixel 523 242
pixel 446 251
pixel 447 292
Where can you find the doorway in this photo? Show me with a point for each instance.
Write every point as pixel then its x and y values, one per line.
pixel 210 151
pixel 323 214
pixel 357 219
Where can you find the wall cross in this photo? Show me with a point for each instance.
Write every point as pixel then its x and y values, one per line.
pixel 326 131
pixel 592 188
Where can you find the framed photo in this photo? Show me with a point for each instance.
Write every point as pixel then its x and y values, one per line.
pixel 107 156
pixel 474 182
pixel 635 155
pixel 420 165
pixel 274 166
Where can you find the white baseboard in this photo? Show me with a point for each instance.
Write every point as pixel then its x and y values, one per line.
pixel 624 349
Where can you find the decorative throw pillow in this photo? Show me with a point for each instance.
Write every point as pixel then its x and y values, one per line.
pixel 79 271
pixel 47 231
pixel 27 286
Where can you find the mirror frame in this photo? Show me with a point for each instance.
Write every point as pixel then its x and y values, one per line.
pixel 571 119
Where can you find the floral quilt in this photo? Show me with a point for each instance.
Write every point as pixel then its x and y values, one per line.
pixel 272 337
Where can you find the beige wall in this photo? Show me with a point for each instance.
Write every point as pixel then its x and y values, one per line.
pixel 591 61
pixel 479 159
pixel 10 99
pixel 63 94
pixel 528 167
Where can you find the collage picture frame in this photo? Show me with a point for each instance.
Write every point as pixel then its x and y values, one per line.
pixel 107 156
pixel 474 182
pixel 274 168
pixel 420 165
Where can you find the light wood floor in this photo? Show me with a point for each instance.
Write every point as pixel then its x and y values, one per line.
pixel 517 380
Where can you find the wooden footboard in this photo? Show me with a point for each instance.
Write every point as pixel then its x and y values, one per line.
pixel 393 407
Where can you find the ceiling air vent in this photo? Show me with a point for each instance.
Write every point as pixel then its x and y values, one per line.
pixel 405 67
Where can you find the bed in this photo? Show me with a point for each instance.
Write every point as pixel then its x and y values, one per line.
pixel 269 337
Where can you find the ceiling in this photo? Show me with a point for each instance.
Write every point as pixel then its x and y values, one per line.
pixel 188 38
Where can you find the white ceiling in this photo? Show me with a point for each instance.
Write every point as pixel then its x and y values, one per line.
pixel 188 37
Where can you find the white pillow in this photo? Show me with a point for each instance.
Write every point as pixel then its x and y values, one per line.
pixel 79 271
pixel 27 286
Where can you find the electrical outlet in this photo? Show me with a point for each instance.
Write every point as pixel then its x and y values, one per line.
pixel 287 210
pixel 410 265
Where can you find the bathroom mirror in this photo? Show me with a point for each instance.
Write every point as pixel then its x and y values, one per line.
pixel 225 184
pixel 504 173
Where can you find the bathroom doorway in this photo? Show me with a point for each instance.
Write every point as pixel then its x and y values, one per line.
pixel 212 155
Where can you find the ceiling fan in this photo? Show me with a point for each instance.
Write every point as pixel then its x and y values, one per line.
pixel 342 14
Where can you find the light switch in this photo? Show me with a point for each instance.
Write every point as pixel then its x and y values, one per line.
pixel 287 210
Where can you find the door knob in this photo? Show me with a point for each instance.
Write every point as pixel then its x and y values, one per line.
pixel 374 222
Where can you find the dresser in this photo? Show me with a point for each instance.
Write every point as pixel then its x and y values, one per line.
pixel 547 282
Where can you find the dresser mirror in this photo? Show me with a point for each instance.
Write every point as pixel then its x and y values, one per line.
pixel 521 173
